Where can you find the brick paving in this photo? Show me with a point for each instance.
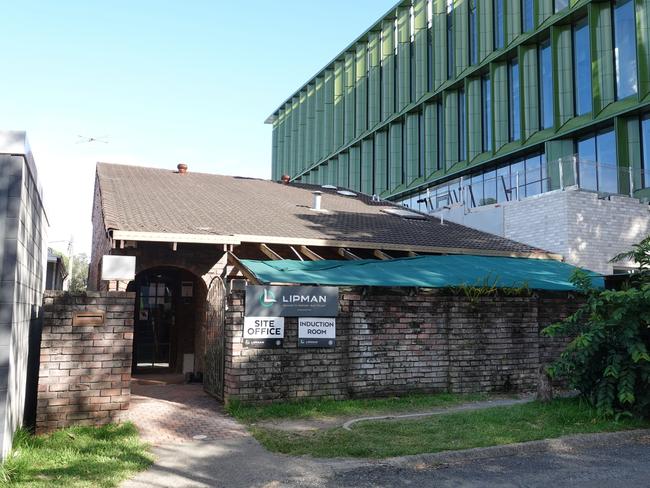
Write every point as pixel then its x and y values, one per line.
pixel 174 414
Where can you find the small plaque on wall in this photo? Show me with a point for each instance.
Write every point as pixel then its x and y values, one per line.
pixel 88 318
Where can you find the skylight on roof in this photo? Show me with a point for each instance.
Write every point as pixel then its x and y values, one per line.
pixel 346 193
pixel 404 213
pixel 329 187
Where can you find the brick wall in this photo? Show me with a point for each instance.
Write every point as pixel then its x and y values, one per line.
pixel 394 343
pixel 85 370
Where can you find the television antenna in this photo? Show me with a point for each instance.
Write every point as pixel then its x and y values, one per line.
pixel 86 139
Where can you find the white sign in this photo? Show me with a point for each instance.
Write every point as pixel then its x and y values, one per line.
pixel 118 268
pixel 316 332
pixel 263 332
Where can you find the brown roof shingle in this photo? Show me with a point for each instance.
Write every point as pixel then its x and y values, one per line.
pixel 140 199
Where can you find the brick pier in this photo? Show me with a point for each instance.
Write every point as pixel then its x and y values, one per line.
pixel 85 369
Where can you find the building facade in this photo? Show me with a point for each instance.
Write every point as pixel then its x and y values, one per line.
pixel 23 226
pixel 478 102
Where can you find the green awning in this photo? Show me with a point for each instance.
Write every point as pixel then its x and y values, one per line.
pixel 423 271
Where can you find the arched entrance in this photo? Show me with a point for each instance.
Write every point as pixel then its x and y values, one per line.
pixel 169 321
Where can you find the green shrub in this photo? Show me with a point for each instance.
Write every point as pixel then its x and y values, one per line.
pixel 608 359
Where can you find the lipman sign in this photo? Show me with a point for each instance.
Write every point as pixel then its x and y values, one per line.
pixel 292 301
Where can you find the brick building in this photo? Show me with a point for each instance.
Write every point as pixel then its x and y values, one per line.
pixel 194 236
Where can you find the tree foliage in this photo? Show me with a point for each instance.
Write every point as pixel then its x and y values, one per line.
pixel 608 360
pixel 79 278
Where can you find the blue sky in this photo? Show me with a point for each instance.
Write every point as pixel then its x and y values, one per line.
pixel 163 81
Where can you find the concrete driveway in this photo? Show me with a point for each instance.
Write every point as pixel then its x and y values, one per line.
pixel 235 459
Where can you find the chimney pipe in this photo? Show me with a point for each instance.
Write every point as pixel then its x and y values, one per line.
pixel 286 179
pixel 182 168
pixel 317 200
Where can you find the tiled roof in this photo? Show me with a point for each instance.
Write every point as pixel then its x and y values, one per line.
pixel 140 199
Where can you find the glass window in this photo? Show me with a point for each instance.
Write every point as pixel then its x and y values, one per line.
pixel 450 39
pixel 441 136
pixel 517 180
pixel 490 187
pixel 625 48
pixel 513 82
pixel 498 24
pixel 561 5
pixel 581 68
pixel 477 190
pixel 545 85
pixel 421 144
pixel 545 180
pixel 429 60
pixel 462 154
pixel 533 176
pixel 473 37
pixel 526 15
pixel 587 178
pixel 645 143
pixel 503 184
pixel 606 157
pixel 486 94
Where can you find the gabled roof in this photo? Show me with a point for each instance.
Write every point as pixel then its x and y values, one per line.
pixel 141 203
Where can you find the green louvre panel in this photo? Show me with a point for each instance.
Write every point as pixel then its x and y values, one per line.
pixel 355 168
pixel 332 177
pixel 388 70
pixel 559 150
pixel 339 102
pixel 381 162
pixel 485 29
pixel 286 143
pixel 277 146
pixel 544 9
pixel 302 132
pixel 412 148
pixel 395 155
pixel 323 173
pixel 628 135
pixel 563 66
pixel 513 19
pixel 293 169
pixel 274 152
pixel 474 122
pixel 439 33
pixel 451 128
pixel 349 96
pixel 461 48
pixel 643 45
pixel 529 90
pixel 319 121
pixel 367 149
pixel 310 153
pixel 500 104
pixel 420 44
pixel 328 119
pixel 431 136
pixel 602 55
pixel 403 58
pixel 344 170
pixel 374 79
pixel 361 89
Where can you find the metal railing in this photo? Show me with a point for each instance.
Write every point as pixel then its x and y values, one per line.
pixel 531 177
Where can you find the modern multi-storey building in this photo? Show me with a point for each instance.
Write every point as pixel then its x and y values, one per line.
pixel 479 102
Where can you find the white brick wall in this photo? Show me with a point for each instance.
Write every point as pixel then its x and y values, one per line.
pixel 586 230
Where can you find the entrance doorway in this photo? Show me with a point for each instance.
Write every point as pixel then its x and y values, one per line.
pixel 168 307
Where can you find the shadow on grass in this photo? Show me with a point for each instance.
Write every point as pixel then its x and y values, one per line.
pixel 76 457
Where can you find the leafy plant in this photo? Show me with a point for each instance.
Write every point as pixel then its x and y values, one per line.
pixel 608 360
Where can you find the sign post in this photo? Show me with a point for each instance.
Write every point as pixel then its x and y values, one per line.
pixel 266 307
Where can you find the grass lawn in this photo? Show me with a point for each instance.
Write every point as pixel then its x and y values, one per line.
pixel 319 409
pixel 76 457
pixel 462 430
